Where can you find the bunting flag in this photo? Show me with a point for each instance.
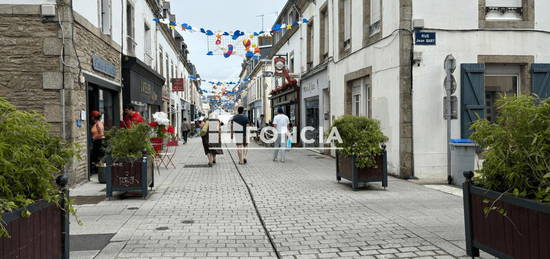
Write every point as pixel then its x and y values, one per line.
pixel 185 27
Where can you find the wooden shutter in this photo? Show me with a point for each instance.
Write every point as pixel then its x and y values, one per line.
pixel 472 96
pixel 541 80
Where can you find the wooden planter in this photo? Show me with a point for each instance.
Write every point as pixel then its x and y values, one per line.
pixel 44 234
pixel 523 233
pixel 130 175
pixel 345 168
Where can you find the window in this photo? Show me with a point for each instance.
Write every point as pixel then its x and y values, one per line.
pixel 324 41
pixel 310 42
pixel 361 97
pixel 147 45
pixel 503 9
pixel 291 63
pixel 105 16
pixel 347 24
pixel 161 62
pixel 507 14
pixel 496 87
pixel 130 29
pixel 375 16
pixel 356 104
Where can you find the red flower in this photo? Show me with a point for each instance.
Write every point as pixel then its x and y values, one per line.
pixel 153 124
pixel 170 129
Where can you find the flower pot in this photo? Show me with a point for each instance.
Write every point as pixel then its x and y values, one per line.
pixel 32 237
pixel 129 175
pixel 521 230
pixel 346 168
pixel 157 143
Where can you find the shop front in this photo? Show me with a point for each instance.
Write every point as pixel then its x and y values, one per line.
pixel 287 98
pixel 142 87
pixel 314 86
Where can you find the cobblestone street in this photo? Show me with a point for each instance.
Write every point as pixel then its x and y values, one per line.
pixel 203 212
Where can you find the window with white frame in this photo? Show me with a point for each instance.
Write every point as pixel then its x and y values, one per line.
pixel 375 16
pixel 503 9
pixel 361 97
pixel 105 16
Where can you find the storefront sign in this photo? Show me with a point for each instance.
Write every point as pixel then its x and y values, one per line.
pixel 178 85
pixel 103 66
pixel 147 90
pixel 425 38
pixel 310 88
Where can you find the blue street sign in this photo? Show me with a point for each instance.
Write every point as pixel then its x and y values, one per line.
pixel 425 38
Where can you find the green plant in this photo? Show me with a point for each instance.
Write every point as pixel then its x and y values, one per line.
pixel 30 160
pixel 130 143
pixel 516 148
pixel 361 137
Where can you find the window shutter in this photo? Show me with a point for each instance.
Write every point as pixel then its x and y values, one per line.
pixel 347 19
pixel 503 3
pixel 106 16
pixel 472 96
pixel 375 8
pixel 541 80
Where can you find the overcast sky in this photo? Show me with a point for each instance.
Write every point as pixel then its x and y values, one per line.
pixel 221 15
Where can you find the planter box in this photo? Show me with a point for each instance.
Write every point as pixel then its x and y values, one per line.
pixel 345 168
pixel 41 235
pixel 523 233
pixel 130 175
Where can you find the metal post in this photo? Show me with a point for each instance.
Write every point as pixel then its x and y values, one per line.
pixel 62 182
pixel 449 117
pixel 471 250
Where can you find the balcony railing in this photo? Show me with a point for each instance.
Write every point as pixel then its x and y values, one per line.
pixel 503 13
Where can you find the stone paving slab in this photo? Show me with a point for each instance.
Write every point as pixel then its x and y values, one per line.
pixel 208 213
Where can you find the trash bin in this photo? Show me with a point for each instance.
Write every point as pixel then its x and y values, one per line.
pixel 463 152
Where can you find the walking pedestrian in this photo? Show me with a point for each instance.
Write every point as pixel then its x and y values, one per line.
pixel 281 123
pixel 97 131
pixel 238 132
pixel 212 147
pixel 185 128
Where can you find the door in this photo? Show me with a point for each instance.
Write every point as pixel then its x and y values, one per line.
pixel 472 96
pixel 312 120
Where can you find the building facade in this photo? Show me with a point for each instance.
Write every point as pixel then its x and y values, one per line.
pixel 66 58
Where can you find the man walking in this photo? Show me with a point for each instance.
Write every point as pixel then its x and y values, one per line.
pixel 185 128
pixel 239 124
pixel 280 122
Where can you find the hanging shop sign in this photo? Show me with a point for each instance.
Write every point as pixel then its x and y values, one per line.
pixel 280 64
pixel 178 85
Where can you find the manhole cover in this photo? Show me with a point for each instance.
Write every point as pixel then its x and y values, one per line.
pixel 133 208
pixel 162 228
pixel 196 166
pixel 80 200
pixel 188 222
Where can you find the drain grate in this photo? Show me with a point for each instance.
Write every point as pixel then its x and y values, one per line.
pixel 133 208
pixel 196 166
pixel 188 222
pixel 162 228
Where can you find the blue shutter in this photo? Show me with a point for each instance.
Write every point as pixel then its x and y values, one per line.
pixel 472 96
pixel 541 80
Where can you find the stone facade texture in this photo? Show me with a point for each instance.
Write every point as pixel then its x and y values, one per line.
pixel 34 78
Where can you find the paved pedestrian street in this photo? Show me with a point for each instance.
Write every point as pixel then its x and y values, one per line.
pixel 201 212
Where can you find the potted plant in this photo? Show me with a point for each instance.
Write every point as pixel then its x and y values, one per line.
pixel 31 159
pixel 361 157
pixel 129 163
pixel 507 205
pixel 160 125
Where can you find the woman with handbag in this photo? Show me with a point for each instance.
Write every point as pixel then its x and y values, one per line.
pixel 212 147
